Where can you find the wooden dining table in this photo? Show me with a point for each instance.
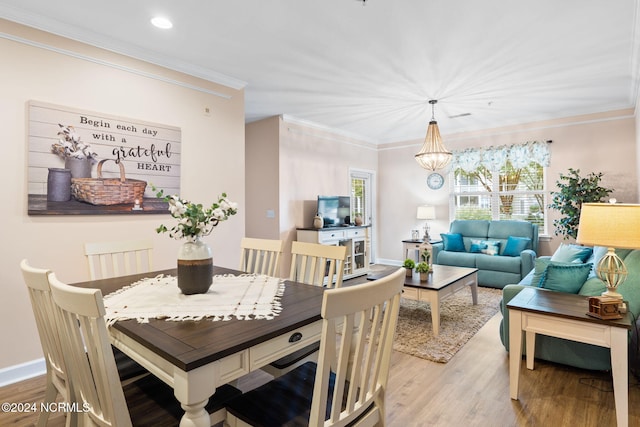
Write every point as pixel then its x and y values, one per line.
pixel 196 357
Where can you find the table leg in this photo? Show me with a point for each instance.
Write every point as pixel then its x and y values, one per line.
pixel 474 288
pixel 435 312
pixel 515 351
pixel 619 371
pixel 531 349
pixel 193 389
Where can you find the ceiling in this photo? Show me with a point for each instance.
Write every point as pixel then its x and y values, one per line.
pixel 369 69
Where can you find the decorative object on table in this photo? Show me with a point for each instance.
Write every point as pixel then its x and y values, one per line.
pixel 358 219
pixel 435 181
pixel 573 191
pixel 409 265
pixel 613 226
pixel 433 155
pixel 318 222
pixel 426 213
pixel 415 234
pixel 78 156
pixel 605 308
pixel 425 255
pixel 423 268
pixel 59 185
pixel 195 260
pixel 108 191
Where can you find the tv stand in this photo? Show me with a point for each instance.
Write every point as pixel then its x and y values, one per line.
pixel 355 238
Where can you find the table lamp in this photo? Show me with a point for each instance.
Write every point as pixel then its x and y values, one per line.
pixel 427 213
pixel 614 226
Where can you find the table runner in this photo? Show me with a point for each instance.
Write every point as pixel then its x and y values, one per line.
pixel 247 296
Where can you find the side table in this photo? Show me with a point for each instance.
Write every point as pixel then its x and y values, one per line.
pixel 539 311
pixel 412 248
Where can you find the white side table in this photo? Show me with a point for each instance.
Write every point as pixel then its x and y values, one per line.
pixel 413 248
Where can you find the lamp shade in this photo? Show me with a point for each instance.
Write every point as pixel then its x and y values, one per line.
pixel 426 212
pixel 610 225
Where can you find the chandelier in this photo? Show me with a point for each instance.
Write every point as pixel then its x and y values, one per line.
pixel 433 155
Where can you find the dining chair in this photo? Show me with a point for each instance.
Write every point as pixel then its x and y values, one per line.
pixel 311 263
pixel 37 281
pixel 94 380
pixel 348 384
pixel 261 256
pixel 118 258
pixel 316 264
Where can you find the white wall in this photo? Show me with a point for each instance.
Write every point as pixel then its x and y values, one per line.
pixel 603 142
pixel 97 80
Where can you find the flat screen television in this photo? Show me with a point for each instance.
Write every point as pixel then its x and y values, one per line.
pixel 334 210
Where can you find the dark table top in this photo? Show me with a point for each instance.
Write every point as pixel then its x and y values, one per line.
pixel 191 344
pixel 561 304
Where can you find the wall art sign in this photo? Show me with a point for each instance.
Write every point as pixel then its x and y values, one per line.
pixel 83 162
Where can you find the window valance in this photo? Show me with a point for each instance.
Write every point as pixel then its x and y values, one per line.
pixel 493 158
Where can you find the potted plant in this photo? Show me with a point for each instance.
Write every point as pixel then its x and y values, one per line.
pixel 575 190
pixel 409 265
pixel 423 269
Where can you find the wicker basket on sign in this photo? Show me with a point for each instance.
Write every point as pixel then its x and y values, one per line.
pixel 108 191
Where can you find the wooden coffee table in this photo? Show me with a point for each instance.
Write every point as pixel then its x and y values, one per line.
pixel 443 281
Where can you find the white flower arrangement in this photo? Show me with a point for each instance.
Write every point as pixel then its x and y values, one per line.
pixel 194 220
pixel 69 145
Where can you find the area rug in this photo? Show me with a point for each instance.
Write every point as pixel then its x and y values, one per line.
pixel 459 321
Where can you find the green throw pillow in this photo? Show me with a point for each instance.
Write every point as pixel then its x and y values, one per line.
pixel 515 245
pixel 453 242
pixel 565 278
pixel 572 253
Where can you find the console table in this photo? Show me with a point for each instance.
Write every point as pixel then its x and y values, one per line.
pixel 539 311
pixel 355 238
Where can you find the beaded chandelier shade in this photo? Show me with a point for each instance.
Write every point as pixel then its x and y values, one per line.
pixel 433 155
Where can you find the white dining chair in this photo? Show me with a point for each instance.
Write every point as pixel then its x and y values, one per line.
pixel 260 256
pixel 94 378
pixel 118 258
pixel 316 264
pixel 349 382
pixel 37 281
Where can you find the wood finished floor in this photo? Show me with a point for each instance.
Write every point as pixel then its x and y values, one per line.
pixel 472 389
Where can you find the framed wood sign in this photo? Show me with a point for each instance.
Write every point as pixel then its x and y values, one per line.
pixel 83 162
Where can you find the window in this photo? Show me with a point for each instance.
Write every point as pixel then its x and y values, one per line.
pixel 501 183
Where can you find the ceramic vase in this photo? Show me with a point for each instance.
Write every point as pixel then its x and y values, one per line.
pixel 59 185
pixel 195 267
pixel 318 222
pixel 80 168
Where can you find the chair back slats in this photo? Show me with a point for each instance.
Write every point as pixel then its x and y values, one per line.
pixel 311 263
pixel 112 259
pixel 44 311
pixel 94 377
pixel 261 256
pixel 358 328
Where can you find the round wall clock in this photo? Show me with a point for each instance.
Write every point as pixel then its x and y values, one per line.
pixel 435 181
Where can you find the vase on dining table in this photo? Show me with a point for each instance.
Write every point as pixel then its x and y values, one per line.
pixel 195 267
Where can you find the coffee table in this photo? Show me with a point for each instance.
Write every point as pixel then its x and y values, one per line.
pixel 444 281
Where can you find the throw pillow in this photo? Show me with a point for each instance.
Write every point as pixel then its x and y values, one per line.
pixel 565 278
pixel 539 269
pixel 571 253
pixel 488 247
pixel 453 242
pixel 515 245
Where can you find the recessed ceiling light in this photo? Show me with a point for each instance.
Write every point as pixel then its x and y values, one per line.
pixel 161 22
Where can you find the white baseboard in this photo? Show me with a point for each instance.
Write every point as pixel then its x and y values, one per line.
pixel 389 262
pixel 21 372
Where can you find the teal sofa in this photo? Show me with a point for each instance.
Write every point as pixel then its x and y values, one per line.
pixel 494 271
pixel 572 353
